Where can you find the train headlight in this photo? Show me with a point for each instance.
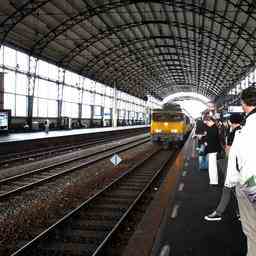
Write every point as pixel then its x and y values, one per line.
pixel 174 131
pixel 165 124
pixel 158 130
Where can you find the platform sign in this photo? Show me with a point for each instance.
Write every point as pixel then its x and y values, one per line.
pixel 115 159
pixel 232 109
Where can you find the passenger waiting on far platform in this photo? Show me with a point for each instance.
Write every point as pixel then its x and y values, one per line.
pixel 200 132
pixel 212 143
pixel 235 121
pixel 46 126
pixel 241 171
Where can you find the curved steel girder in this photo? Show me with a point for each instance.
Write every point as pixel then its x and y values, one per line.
pixel 141 50
pixel 42 43
pixel 138 52
pixel 144 82
pixel 250 6
pixel 238 79
pixel 181 84
pixel 7 25
pixel 72 21
pixel 167 77
pixel 193 89
pixel 137 73
pixel 142 59
pixel 131 43
pixel 146 60
pixel 114 30
pixel 206 79
pixel 158 67
pixel 187 87
pixel 140 68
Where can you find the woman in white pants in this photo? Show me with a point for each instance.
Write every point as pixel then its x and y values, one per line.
pixel 212 143
pixel 213 171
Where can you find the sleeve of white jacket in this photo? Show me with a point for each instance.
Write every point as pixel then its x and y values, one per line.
pixel 232 176
pixel 246 152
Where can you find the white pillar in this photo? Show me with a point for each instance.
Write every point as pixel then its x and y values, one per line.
pixel 147 112
pixel 114 111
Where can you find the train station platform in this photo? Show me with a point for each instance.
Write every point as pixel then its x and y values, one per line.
pixel 18 142
pixel 174 224
pixel 61 133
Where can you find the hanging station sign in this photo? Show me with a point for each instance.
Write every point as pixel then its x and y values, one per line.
pixel 232 109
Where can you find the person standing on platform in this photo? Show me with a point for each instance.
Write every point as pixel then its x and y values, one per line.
pixel 235 121
pixel 46 125
pixel 241 171
pixel 212 143
pixel 200 132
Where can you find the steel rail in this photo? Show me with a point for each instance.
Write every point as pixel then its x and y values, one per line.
pixel 6 195
pixel 15 157
pixel 149 176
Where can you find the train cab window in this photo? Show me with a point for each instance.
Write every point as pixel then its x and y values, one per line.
pixel 167 117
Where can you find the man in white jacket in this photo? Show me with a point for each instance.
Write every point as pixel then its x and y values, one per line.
pixel 241 171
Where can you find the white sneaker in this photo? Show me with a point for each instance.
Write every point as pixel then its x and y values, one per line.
pixel 213 217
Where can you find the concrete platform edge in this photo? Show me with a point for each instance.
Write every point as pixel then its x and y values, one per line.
pixel 147 238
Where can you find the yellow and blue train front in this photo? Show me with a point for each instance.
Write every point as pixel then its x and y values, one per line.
pixel 167 131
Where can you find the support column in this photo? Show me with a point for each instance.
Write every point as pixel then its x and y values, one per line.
pixel 111 116
pixel 80 105
pixel 80 114
pixel 136 118
pixel 31 90
pixel 102 116
pixel 114 110
pixel 124 118
pixel 118 120
pixel 129 117
pixel 92 116
pixel 30 110
pixel 60 95
pixel 59 113
pixel 1 90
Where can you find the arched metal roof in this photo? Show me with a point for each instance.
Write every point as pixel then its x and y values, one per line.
pixel 145 47
pixel 180 96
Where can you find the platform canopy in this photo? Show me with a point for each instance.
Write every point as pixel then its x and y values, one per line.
pixel 145 47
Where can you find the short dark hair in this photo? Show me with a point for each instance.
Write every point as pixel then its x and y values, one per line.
pixel 209 118
pixel 248 96
pixel 236 118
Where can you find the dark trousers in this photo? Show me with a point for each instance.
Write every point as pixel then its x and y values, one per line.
pixel 227 193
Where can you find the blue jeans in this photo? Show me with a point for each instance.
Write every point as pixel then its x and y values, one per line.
pixel 202 158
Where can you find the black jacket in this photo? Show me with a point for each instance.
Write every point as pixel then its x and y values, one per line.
pixel 212 139
pixel 200 127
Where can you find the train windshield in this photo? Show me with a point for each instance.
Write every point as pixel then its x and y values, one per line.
pixel 167 117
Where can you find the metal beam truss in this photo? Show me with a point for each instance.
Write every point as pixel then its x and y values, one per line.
pixel 146 47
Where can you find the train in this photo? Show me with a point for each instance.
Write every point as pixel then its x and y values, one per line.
pixel 169 125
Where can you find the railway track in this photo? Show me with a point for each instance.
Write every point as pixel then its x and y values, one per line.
pixel 87 229
pixel 17 184
pixel 15 158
